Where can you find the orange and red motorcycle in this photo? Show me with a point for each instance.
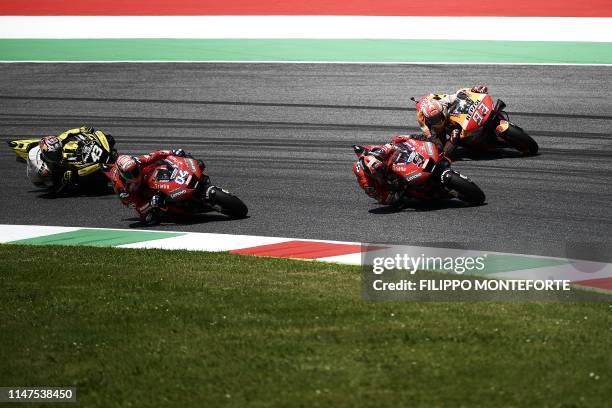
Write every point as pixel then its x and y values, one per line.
pixel 483 125
pixel 420 171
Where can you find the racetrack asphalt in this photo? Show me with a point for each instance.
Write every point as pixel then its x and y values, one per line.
pixel 279 136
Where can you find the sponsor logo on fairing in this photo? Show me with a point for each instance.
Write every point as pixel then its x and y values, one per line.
pixel 178 193
pixel 161 186
pixel 413 176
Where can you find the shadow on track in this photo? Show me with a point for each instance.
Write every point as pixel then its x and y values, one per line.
pixel 483 155
pixel 421 206
pixel 170 220
pixel 47 195
pixel 94 187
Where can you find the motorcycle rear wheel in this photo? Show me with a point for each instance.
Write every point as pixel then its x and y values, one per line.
pixel 521 141
pixel 466 189
pixel 230 204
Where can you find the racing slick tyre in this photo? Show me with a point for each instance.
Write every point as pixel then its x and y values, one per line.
pixel 466 189
pixel 230 204
pixel 521 141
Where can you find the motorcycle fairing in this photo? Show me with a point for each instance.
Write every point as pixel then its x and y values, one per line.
pixel 470 111
pixel 177 177
pixel 22 147
pixel 82 153
pixel 415 162
pixel 86 153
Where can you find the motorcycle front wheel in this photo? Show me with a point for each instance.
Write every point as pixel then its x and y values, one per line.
pixel 466 189
pixel 521 141
pixel 228 203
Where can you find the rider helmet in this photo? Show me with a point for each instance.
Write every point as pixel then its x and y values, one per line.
pixel 129 168
pixel 50 149
pixel 433 111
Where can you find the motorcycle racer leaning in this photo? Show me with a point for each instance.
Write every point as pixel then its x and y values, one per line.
pixel 48 165
pixel 433 118
pixel 128 181
pixel 372 172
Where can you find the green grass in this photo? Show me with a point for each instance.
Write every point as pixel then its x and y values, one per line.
pixel 155 328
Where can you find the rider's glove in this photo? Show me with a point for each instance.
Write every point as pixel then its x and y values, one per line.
pixel 479 89
pixel 454 135
pixel 67 178
pixel 156 201
pixel 124 196
pixel 65 182
pixel 86 129
pixel 179 153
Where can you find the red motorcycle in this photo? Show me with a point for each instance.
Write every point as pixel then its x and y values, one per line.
pixel 186 189
pixel 419 170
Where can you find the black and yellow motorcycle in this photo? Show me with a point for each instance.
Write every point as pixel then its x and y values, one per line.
pixel 84 152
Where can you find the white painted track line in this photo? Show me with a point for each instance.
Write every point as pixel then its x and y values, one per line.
pixel 310 27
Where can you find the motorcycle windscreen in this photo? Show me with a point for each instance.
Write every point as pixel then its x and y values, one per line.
pixel 410 166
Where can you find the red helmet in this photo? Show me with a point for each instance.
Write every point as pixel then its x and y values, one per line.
pixel 433 111
pixel 129 168
pixel 50 149
pixel 373 167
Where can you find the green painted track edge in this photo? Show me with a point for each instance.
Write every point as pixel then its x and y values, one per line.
pixel 297 50
pixel 97 237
